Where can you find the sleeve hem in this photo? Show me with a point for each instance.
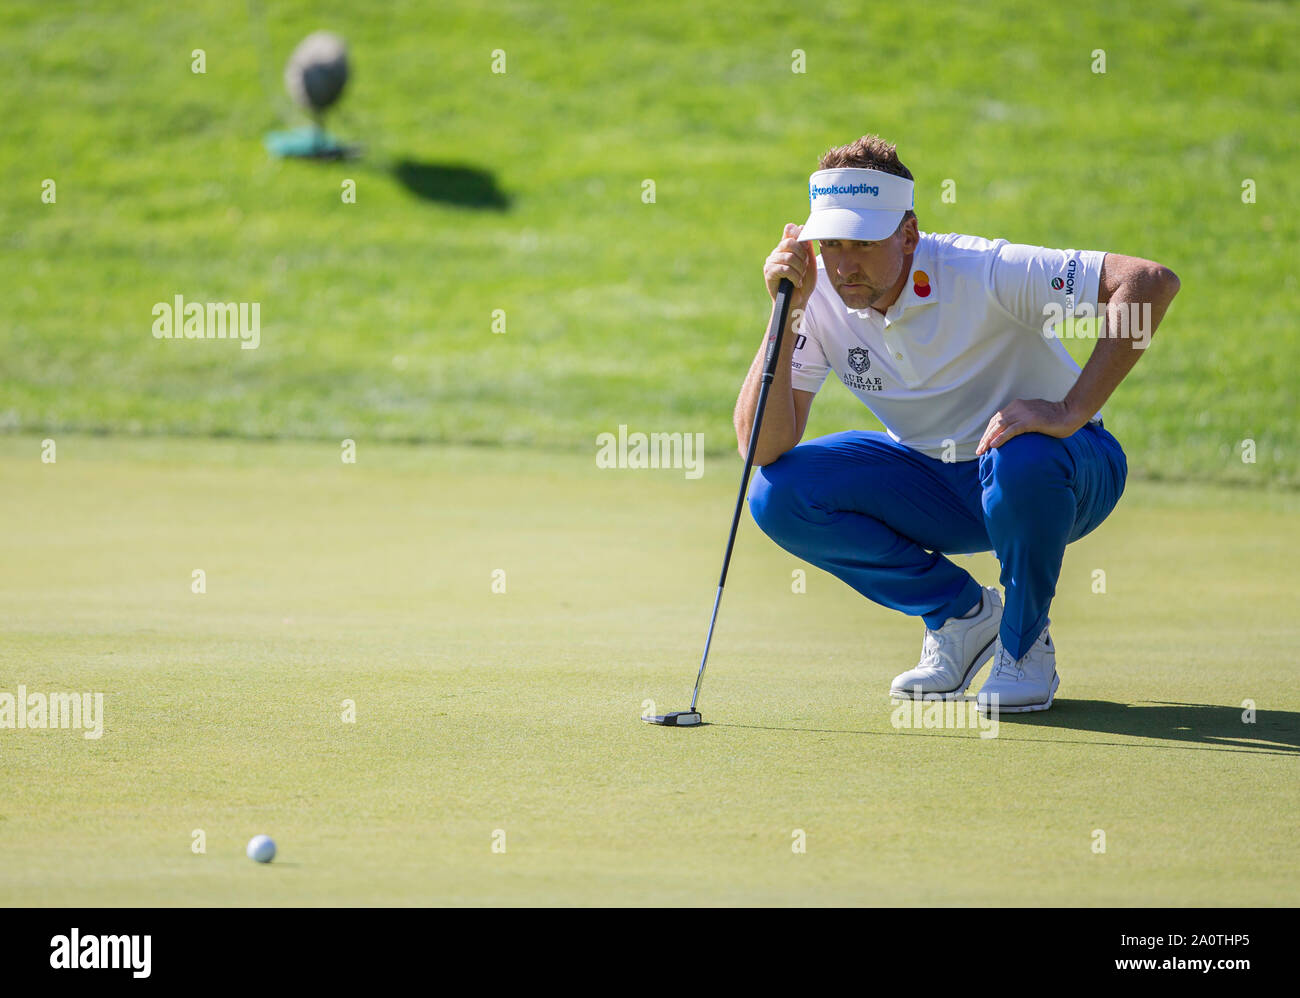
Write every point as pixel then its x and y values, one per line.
pixel 1093 288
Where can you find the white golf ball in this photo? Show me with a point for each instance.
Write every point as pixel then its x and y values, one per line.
pixel 261 849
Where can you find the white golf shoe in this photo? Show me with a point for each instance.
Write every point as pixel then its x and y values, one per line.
pixel 952 655
pixel 1029 684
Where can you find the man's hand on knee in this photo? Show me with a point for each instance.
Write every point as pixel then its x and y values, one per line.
pixel 1029 416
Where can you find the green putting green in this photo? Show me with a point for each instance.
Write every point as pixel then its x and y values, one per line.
pixel 510 718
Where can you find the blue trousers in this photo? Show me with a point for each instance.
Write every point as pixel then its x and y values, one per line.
pixel 881 517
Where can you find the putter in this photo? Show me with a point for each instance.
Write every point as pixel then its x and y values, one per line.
pixel 690 718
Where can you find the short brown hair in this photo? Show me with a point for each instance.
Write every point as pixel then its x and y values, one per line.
pixel 870 152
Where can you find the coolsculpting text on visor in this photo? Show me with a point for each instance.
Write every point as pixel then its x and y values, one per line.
pixel 814 190
pixel 855 203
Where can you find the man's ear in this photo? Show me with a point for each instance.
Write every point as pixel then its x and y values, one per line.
pixel 911 235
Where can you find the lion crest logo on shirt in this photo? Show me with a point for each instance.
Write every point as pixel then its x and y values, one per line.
pixel 858 360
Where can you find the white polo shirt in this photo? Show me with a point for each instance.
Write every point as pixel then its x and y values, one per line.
pixel 964 338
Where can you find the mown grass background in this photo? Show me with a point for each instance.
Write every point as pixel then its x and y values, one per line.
pixel 377 316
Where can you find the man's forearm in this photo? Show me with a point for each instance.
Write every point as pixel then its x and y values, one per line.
pixel 1119 346
pixel 779 432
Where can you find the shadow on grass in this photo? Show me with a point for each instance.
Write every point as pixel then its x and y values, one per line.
pixel 1201 723
pixel 463 186
pixel 1204 727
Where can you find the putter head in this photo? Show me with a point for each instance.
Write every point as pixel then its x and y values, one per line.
pixel 677 719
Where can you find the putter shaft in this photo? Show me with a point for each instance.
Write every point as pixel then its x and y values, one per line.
pixel 775 333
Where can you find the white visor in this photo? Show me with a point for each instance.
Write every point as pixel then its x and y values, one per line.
pixel 853 203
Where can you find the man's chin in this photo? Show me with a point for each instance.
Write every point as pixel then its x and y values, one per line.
pixel 857 298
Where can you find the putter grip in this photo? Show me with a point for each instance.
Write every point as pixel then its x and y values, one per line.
pixel 784 290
